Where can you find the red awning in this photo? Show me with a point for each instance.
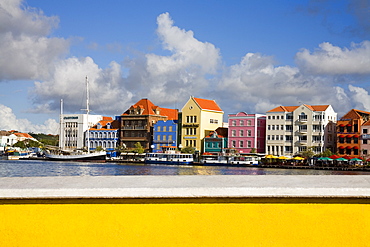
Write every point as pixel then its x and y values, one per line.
pixel 348 147
pixel 355 136
pixel 342 136
pixel 349 125
pixel 341 147
pixel 349 136
pixel 355 147
pixel 341 125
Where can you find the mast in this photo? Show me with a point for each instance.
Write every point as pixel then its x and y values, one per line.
pixel 87 115
pixel 61 135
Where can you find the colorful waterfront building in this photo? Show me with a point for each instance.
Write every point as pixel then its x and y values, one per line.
pixel 198 118
pixel 353 131
pixel 104 134
pixel 216 141
pixel 164 134
pixel 291 130
pixel 247 132
pixel 137 123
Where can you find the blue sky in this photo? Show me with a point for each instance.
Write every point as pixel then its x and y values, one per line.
pixel 247 55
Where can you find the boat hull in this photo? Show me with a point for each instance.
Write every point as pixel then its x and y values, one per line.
pixel 93 157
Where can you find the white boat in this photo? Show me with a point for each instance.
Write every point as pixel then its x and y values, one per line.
pixel 244 160
pixel 214 159
pixel 97 156
pixel 77 156
pixel 168 158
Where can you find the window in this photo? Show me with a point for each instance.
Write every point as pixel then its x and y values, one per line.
pixel 241 122
pixel 249 122
pixel 241 144
pixel 170 128
pixel 289 128
pixel 233 123
pixel 241 132
pixel 233 133
pixel 364 131
pixel 288 138
pixel 158 137
pixel 268 137
pixel 249 144
pixel 188 119
pixel 195 119
pixel 164 128
pixel 268 127
pixel 249 133
pixel 364 141
pixel 233 143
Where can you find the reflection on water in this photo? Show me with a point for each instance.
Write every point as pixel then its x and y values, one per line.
pixel 33 168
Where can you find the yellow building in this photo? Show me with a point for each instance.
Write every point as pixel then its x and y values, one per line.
pixel 199 118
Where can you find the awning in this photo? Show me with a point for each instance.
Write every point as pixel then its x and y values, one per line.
pixel 341 147
pixel 348 136
pixel 349 125
pixel 341 125
pixel 342 136
pixel 348 147
pixel 355 136
pixel 355 147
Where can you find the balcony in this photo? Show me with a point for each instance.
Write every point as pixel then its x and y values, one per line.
pixel 134 127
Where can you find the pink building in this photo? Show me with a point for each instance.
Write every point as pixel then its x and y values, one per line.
pixel 247 131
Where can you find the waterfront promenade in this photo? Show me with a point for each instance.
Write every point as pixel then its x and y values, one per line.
pixel 185 210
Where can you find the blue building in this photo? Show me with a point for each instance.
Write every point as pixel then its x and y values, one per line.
pixel 104 134
pixel 164 134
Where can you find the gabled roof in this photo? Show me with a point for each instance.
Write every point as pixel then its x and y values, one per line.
pixel 103 123
pixel 356 114
pixel 25 135
pixel 148 108
pixel 206 104
pixel 293 108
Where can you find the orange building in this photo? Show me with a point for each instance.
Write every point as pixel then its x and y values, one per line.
pixel 349 131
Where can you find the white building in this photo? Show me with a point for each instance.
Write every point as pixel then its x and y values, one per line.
pixel 7 139
pixel 73 129
pixel 293 129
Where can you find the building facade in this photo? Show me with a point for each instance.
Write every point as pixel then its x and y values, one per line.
pixel 247 132
pixel 7 139
pixel 73 130
pixel 294 129
pixel 104 134
pixel 137 123
pixel 198 118
pixel 216 141
pixel 165 134
pixel 353 134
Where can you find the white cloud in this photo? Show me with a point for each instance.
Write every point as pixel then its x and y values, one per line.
pixel 106 86
pixel 25 50
pixel 360 97
pixel 172 78
pixel 333 60
pixel 8 121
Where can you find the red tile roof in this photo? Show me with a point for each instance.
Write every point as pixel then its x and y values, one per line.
pixel 24 135
pixel 150 109
pixel 292 108
pixel 104 122
pixel 207 104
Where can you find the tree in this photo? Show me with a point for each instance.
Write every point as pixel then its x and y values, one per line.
pixel 308 153
pixel 326 153
pixel 138 148
pixel 253 151
pixel 99 149
pixel 188 150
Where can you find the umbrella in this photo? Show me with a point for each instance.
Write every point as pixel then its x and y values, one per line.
pixel 334 156
pixel 356 159
pixel 324 158
pixel 341 159
pixel 283 158
pixel 298 158
pixel 270 156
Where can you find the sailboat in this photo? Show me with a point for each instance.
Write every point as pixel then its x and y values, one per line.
pixel 77 156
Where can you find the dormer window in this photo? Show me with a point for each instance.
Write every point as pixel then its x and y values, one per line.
pixel 98 126
pixel 108 126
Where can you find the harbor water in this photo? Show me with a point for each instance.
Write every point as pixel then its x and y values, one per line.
pixel 41 168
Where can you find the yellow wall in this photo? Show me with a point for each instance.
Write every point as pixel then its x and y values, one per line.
pixel 203 119
pixel 185 222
